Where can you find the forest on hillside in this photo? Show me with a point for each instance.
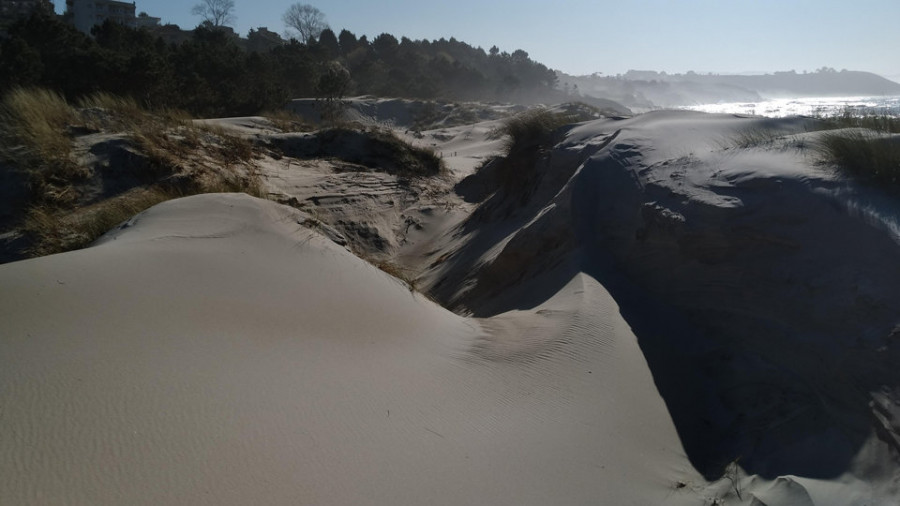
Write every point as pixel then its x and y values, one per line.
pixel 215 73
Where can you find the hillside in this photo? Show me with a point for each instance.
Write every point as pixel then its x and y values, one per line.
pixel 658 89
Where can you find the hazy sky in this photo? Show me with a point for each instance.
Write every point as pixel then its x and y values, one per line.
pixel 586 36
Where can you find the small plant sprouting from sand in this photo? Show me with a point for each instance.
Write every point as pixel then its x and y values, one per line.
pixel 732 473
pixel 752 138
pixel 403 275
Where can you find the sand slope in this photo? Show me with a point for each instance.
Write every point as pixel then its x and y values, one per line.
pixel 214 351
pixel 762 285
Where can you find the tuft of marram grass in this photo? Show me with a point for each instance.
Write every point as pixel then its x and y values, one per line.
pixel 37 128
pixel 377 148
pixel 55 231
pixel 37 118
pixel 532 129
pixel 752 138
pixel 34 136
pixel 123 112
pixel 883 123
pixel 287 121
pixel 403 275
pixel 866 154
pixel 230 148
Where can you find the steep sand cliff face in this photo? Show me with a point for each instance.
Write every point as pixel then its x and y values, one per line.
pixel 763 286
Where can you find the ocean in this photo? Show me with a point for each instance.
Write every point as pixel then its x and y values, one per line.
pixel 807 106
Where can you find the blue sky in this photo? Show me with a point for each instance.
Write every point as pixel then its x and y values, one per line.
pixel 581 36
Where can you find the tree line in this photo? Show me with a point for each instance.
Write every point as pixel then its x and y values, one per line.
pixel 215 73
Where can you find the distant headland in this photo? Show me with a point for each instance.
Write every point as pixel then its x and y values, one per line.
pixel 647 88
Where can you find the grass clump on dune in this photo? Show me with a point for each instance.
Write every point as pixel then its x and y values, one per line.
pixel 55 229
pixel 375 148
pixel 55 232
pixel 287 121
pixel 865 145
pixel 35 140
pixel 381 148
pixel 537 129
pixel 403 275
pixel 91 166
pixel 104 111
pixel 532 130
pixel 868 155
pixel 168 136
pixel 878 122
pixel 752 137
pixel 529 135
pixel 36 121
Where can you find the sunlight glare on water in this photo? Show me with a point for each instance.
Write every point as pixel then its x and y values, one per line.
pixel 806 106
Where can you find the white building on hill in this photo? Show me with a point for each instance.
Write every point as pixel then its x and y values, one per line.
pixel 143 20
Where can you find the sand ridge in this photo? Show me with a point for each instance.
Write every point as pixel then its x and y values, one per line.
pixel 213 351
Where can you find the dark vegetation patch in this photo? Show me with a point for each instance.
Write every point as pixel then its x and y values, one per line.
pixel 375 148
pixel 211 73
pixel 530 136
pixel 870 156
pixel 866 146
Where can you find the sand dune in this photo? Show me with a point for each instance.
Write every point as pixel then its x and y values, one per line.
pixel 213 351
pixel 658 305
